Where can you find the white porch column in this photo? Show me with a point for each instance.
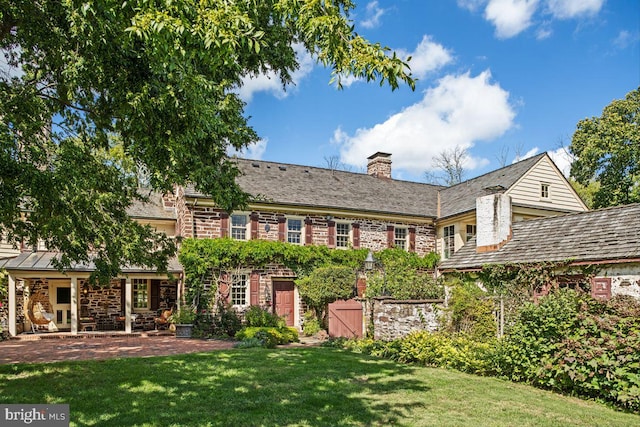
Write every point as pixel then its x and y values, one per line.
pixel 12 306
pixel 179 290
pixel 74 306
pixel 127 305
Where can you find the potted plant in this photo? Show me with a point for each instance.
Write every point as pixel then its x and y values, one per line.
pixel 183 320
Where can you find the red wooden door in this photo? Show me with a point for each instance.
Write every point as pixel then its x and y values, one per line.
pixel 283 300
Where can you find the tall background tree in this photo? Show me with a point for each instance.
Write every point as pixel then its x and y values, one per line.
pixel 449 165
pixel 156 79
pixel 607 153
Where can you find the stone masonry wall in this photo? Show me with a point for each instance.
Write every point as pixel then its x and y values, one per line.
pixel 205 222
pixel 625 279
pixel 397 318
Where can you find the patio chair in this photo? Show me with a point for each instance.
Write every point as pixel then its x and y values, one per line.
pixel 163 320
pixel 39 311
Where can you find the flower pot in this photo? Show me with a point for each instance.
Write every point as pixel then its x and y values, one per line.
pixel 184 330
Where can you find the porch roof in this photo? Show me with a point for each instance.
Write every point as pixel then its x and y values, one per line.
pixel 43 261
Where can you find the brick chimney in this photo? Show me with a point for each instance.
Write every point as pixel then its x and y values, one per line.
pixel 493 222
pixel 379 165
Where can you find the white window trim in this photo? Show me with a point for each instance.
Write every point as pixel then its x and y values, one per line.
pixel 542 191
pixel 349 234
pixel 296 218
pixel 133 292
pixel 247 231
pixel 405 245
pixel 468 236
pixel 247 295
pixel 445 245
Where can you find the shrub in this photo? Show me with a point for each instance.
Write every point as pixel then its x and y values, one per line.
pixel 270 336
pixel 536 333
pixel 447 351
pixel 325 285
pixel 406 276
pixel 430 349
pixel 573 344
pixel 311 325
pixel 224 322
pixel 259 317
pixel 470 312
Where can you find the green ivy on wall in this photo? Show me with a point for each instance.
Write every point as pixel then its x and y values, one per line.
pixel 200 257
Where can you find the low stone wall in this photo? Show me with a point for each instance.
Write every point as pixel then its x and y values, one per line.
pixel 396 318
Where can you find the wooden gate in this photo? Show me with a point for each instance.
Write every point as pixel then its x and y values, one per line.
pixel 345 319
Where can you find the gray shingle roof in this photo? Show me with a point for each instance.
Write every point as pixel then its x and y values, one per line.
pixel 610 234
pixel 462 197
pixel 153 209
pixel 325 188
pixel 43 261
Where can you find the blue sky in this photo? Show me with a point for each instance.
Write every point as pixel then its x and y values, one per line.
pixel 500 78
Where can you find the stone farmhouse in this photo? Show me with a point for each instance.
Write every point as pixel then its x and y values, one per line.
pixel 297 204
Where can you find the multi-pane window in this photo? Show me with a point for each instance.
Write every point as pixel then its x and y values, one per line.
pixel 140 293
pixel 294 231
pixel 400 238
pixel 239 289
pixel 342 235
pixel 449 241
pixel 544 190
pixel 471 231
pixel 239 227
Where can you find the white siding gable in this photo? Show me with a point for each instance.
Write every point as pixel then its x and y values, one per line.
pixel 561 196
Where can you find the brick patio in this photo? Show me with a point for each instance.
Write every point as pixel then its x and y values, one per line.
pixel 60 347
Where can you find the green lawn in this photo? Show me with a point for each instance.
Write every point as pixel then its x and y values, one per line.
pixel 295 386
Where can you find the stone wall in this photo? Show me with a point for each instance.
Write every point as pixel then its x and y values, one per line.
pixel 205 222
pixel 625 279
pixel 396 318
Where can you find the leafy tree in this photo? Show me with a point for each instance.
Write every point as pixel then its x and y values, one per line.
pixel 156 78
pixel 325 285
pixel 607 151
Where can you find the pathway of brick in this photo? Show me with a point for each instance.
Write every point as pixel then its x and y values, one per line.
pixel 102 347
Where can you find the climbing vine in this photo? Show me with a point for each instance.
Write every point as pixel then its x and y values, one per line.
pixel 518 283
pixel 202 257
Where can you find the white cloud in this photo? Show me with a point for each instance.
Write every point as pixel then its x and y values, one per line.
pixel 567 9
pixel 459 111
pixel 471 5
pixel 563 159
pixel 270 82
pixel 428 56
pixel 510 17
pixel 544 30
pixel 254 151
pixel 625 38
pixel 373 15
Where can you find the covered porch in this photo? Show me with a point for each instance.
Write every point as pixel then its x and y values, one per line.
pixel 42 299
